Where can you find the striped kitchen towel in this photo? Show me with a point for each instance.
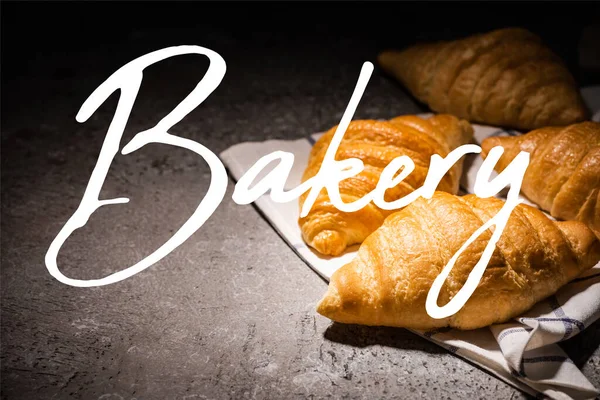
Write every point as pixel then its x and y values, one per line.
pixel 525 352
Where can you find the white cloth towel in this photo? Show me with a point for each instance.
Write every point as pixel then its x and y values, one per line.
pixel 524 352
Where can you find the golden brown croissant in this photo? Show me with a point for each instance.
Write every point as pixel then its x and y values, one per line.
pixel 563 176
pixel 388 282
pixel 506 77
pixel 376 143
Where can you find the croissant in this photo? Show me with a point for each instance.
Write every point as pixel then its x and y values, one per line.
pixel 506 77
pixel 563 176
pixel 388 281
pixel 376 143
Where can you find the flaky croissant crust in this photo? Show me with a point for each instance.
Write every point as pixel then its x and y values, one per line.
pixel 377 143
pixel 388 282
pixel 563 176
pixel 506 77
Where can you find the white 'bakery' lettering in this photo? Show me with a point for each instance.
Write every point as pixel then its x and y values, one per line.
pixel 129 79
pixel 511 176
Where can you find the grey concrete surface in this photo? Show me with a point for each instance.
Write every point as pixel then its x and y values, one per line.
pixel 230 314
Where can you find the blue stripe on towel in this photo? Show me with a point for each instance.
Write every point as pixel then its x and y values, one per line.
pixel 559 312
pixel 311 140
pixel 580 325
pixel 533 360
pixel 510 332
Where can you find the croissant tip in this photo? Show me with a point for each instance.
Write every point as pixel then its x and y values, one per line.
pixel 330 303
pixel 386 58
pixel 489 143
pixel 329 243
pixel 385 53
pixel 574 115
pixel 578 233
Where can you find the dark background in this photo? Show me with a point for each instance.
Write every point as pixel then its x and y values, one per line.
pixel 234 292
pixel 31 30
pixel 44 42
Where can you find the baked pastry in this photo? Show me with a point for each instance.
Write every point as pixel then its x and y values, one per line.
pixel 388 282
pixel 377 143
pixel 563 176
pixel 506 77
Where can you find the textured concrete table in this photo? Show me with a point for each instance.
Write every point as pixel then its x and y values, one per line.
pixel 231 312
